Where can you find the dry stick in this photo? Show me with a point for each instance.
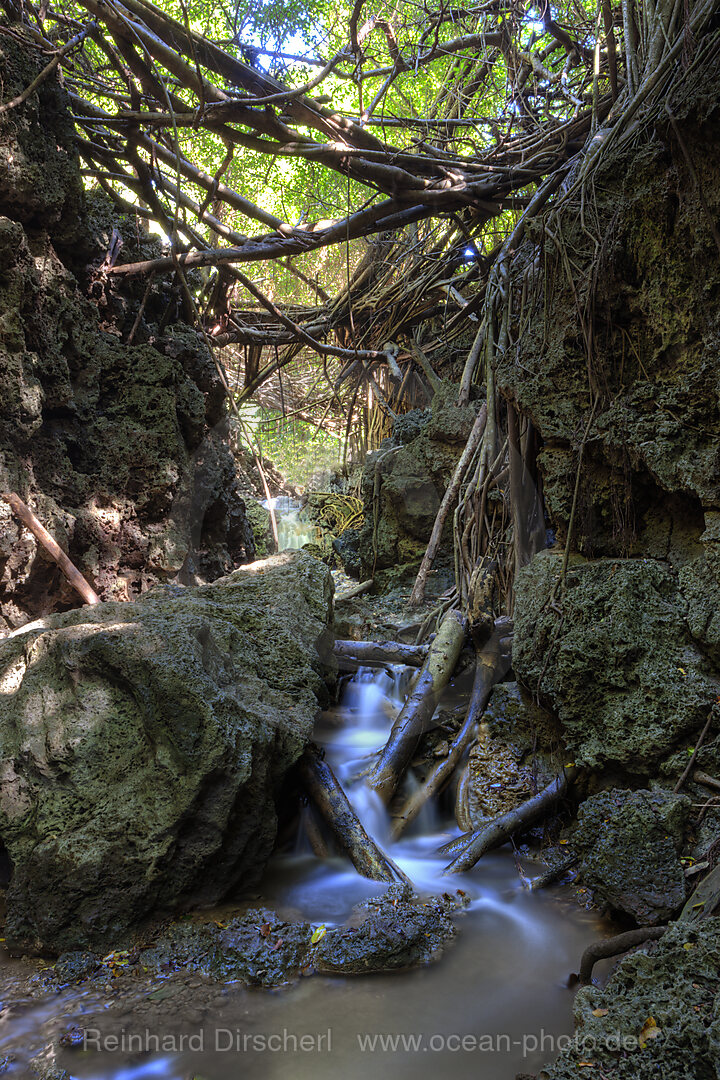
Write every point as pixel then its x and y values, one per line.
pixel 499 831
pixel 420 705
pixel 476 434
pixel 355 590
pixel 385 652
pixel 602 950
pixel 332 802
pixel 71 572
pixel 487 674
pixel 698 744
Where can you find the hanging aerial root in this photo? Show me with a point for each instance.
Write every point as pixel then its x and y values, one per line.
pixel 325 791
pixel 418 593
pixel 474 845
pixel 420 705
pixel 489 669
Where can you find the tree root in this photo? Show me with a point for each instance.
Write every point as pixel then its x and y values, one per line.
pixel 488 671
pixel 502 829
pixel 614 946
pixel 420 705
pixel 325 791
pixel 384 652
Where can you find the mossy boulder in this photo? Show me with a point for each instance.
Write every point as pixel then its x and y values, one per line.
pixel 629 844
pixel 658 1015
pixel 142 746
pixel 260 523
pixel 616 662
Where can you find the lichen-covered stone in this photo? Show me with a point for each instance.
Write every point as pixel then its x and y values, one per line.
pixel 629 844
pixel 259 519
pixel 142 745
pixel 617 663
pixel 658 1016
pixel 644 294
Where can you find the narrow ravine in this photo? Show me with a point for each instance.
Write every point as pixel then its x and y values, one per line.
pixel 496 1003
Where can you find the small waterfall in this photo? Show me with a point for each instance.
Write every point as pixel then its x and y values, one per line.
pixel 293 532
pixel 371 701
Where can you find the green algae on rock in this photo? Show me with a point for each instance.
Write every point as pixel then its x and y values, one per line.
pixel 617 664
pixel 673 983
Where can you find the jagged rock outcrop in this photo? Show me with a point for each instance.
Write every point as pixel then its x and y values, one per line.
pixel 657 1015
pixel 142 746
pixel 120 449
pixel 625 676
pixel 628 653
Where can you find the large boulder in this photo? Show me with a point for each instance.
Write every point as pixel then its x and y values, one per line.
pixel 142 746
pixel 657 1015
pixel 629 844
pixel 617 662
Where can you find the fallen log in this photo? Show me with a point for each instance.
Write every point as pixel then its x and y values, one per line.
pixel 614 946
pixel 328 796
pixel 488 671
pixel 355 590
pixel 71 572
pixel 381 652
pixel 502 829
pixel 418 593
pixel 420 706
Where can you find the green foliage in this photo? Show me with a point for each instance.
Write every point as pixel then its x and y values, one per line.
pixel 296 448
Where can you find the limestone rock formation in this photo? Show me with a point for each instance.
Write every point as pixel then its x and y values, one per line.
pixel 405 480
pixel 629 844
pixel 120 449
pixel 617 663
pixel 142 746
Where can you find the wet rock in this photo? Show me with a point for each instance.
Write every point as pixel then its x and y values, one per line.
pixel 256 948
pixel 657 1016
pixel 512 758
pixel 393 932
pixel 629 844
pixel 142 745
pixel 617 664
pixel 413 470
pixel 73 967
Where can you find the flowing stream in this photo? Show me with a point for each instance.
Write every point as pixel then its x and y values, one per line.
pixel 495 1004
